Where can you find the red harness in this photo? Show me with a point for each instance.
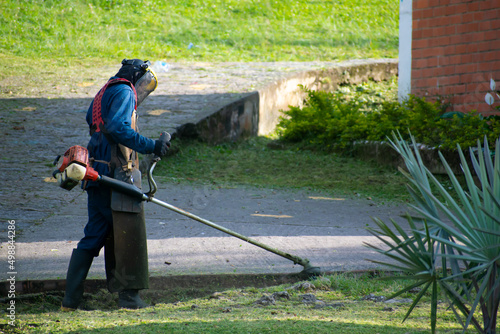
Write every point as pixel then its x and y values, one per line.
pixel 96 107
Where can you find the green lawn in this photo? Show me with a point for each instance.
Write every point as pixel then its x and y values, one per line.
pixel 341 308
pixel 37 34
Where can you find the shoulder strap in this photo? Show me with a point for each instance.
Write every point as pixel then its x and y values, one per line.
pixel 97 121
pixel 120 155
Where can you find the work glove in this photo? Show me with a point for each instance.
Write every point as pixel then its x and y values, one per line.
pixel 162 145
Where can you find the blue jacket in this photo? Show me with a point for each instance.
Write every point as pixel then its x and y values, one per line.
pixel 117 106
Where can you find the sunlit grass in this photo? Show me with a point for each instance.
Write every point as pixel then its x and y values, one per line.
pixel 55 33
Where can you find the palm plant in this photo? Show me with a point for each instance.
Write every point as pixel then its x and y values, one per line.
pixel 454 244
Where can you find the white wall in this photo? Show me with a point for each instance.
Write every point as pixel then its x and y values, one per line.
pixel 405 37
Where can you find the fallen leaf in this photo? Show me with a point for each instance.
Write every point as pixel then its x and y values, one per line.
pixel 85 84
pixel 327 198
pixel 271 216
pixel 26 109
pixel 157 112
pixel 198 87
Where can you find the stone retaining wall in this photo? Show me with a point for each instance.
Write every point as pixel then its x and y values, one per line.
pixel 258 113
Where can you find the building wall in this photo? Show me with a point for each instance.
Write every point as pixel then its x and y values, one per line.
pixel 405 34
pixel 456 51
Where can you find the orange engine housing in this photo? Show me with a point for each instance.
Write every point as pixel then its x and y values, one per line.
pixel 80 155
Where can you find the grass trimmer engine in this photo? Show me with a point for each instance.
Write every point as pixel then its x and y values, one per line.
pixel 73 167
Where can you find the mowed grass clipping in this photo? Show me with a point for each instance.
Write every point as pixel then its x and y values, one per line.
pixel 59 33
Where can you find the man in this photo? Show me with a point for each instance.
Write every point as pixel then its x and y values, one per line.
pixel 116 221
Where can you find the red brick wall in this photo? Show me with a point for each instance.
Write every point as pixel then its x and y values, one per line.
pixel 456 51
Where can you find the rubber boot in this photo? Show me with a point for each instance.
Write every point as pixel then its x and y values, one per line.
pixel 78 268
pixel 130 299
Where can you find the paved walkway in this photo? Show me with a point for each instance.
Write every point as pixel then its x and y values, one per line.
pixel 49 220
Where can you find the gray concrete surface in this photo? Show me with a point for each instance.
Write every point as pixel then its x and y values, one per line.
pixel 326 230
pixel 49 220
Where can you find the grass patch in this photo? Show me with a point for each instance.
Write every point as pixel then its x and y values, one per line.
pixel 341 309
pixel 37 35
pixel 256 162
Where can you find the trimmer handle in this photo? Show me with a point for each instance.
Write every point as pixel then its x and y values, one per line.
pixel 164 137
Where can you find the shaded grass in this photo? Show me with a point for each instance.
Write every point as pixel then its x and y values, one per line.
pixel 254 163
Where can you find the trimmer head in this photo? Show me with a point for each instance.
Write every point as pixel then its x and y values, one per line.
pixel 311 271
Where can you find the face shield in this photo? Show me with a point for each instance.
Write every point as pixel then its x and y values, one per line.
pixel 146 85
pixel 141 75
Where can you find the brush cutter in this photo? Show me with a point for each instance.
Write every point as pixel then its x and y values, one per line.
pixel 74 167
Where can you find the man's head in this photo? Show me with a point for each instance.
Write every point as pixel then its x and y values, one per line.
pixel 140 74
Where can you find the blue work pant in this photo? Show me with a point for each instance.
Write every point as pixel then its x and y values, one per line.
pixel 100 222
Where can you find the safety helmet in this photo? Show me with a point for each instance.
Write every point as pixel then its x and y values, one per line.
pixel 140 74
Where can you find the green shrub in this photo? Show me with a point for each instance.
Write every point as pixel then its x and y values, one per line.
pixel 466 129
pixel 326 119
pixel 335 120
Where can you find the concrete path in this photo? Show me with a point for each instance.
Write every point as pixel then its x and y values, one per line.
pixel 49 221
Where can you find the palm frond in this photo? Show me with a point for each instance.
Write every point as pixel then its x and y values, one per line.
pixel 462 229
